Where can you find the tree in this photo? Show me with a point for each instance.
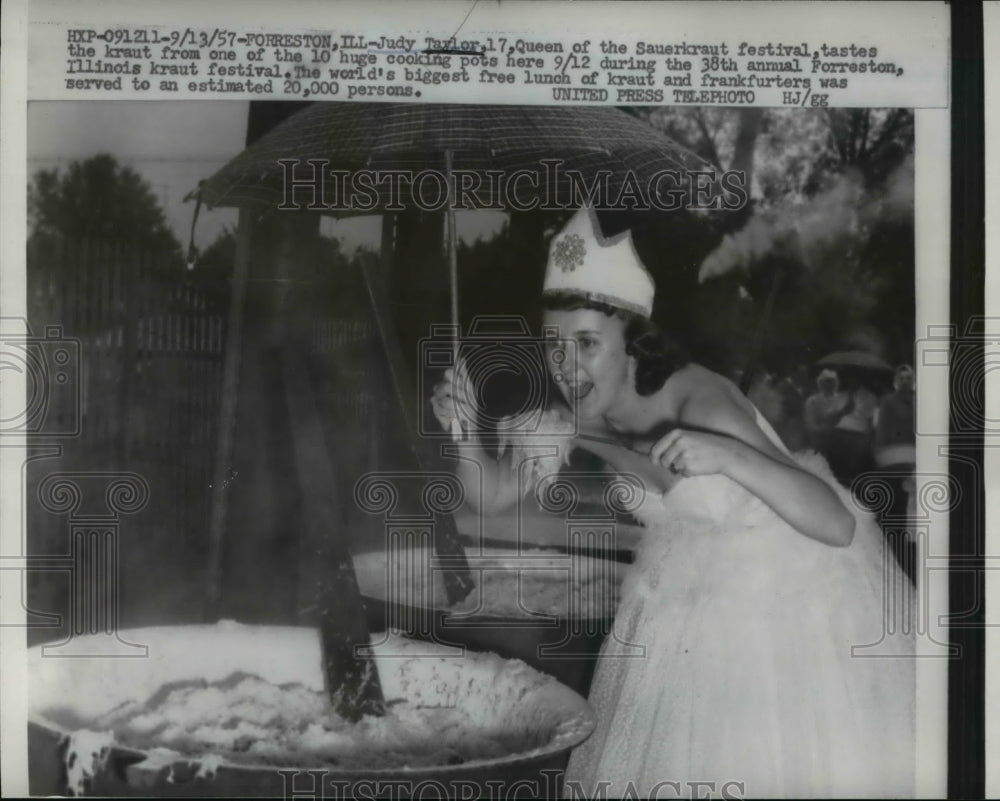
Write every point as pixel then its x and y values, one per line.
pixel 98 198
pixel 826 249
pixel 801 151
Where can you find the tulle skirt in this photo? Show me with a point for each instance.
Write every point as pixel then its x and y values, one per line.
pixel 750 661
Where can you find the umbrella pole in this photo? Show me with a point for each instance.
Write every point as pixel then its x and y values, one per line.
pixel 456 426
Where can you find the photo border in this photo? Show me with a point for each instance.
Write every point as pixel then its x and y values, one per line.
pixel 968 726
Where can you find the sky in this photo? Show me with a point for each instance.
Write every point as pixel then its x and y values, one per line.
pixel 173 145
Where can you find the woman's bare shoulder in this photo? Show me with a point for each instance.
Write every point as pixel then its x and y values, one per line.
pixel 704 394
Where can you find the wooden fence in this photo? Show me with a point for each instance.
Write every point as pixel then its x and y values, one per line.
pixel 151 343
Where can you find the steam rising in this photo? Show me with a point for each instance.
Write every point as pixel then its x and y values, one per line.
pixel 807 227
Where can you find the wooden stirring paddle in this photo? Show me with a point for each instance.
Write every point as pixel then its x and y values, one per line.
pixel 351 675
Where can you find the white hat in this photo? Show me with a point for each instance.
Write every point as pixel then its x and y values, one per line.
pixel 582 261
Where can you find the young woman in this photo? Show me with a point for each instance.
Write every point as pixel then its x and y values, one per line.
pixel 757 596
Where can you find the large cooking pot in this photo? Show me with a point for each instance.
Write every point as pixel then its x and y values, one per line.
pixel 501 697
pixel 558 631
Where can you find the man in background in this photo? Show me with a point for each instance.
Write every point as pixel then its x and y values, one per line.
pixel 854 432
pixel 895 455
pixel 895 433
pixel 823 410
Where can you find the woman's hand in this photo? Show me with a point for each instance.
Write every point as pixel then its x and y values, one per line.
pixel 695 453
pixel 455 399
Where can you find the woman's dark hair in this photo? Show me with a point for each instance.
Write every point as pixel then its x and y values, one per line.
pixel 657 354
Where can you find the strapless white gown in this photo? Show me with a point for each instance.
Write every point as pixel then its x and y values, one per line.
pixel 769 660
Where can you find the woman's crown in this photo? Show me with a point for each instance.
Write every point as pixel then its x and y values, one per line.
pixel 582 261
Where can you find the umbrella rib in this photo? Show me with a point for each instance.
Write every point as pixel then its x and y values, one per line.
pixel 370 135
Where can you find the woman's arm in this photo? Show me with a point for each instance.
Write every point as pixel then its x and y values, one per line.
pixel 739 449
pixel 629 462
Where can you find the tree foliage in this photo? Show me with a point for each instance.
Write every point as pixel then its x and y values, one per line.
pixel 98 198
pixel 824 258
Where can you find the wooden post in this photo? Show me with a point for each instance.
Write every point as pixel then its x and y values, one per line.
pixel 262 116
pixel 227 414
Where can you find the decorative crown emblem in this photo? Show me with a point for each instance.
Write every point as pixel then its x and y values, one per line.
pixel 569 252
pixel 583 261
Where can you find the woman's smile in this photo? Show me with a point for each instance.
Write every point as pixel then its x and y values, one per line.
pixel 593 369
pixel 577 389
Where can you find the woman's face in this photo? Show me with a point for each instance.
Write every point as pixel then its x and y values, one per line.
pixel 601 373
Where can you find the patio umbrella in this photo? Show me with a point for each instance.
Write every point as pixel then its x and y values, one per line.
pixel 504 144
pixel 857 359
pixel 477 139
